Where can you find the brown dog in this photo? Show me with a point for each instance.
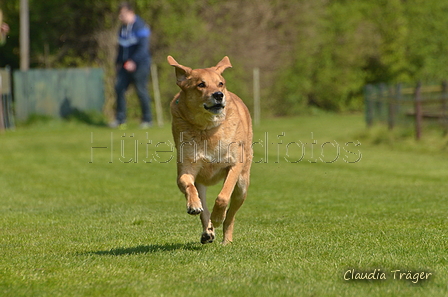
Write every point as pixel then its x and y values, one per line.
pixel 213 134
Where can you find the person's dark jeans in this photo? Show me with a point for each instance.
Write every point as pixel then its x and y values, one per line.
pixel 140 79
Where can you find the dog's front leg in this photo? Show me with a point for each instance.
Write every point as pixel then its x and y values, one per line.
pixel 186 185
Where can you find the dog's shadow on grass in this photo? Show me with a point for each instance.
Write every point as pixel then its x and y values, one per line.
pixel 148 249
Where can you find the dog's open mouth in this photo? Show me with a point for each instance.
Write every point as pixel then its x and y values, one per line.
pixel 217 108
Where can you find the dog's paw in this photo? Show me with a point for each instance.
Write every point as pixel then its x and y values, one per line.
pixel 207 237
pixel 217 219
pixel 194 209
pixel 226 242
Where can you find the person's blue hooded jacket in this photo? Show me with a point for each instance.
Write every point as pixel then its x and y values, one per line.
pixel 133 43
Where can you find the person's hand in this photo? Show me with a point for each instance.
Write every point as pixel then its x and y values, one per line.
pixel 4 28
pixel 130 66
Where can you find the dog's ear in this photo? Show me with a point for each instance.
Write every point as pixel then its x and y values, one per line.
pixel 182 72
pixel 223 65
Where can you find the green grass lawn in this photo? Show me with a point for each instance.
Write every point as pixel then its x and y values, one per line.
pixel 79 221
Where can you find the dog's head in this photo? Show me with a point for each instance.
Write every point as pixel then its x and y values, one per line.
pixel 205 89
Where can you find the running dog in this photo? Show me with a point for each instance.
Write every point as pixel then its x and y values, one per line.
pixel 212 131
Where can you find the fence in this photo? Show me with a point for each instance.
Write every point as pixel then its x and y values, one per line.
pixel 6 112
pixel 57 92
pixel 396 105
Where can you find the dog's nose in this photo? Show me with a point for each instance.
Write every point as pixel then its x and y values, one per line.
pixel 218 96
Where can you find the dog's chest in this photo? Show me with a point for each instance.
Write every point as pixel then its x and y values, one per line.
pixel 215 158
pixel 218 152
pixel 217 149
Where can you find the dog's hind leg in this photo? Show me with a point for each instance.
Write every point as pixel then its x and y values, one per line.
pixel 208 234
pixel 238 196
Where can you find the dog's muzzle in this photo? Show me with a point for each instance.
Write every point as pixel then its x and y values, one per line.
pixel 217 103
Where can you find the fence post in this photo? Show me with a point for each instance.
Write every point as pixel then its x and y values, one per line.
pixel 444 107
pixel 155 86
pixel 2 122
pixel 368 101
pixel 398 97
pixel 391 105
pixel 6 113
pixel 418 111
pixel 9 107
pixel 383 102
pixel 24 35
pixel 257 96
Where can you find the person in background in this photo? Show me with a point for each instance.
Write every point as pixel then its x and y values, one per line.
pixel 133 64
pixel 4 29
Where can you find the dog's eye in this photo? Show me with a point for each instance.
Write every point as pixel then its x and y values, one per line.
pixel 201 85
pixel 221 84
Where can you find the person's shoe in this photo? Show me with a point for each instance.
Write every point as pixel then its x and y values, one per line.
pixel 116 124
pixel 145 125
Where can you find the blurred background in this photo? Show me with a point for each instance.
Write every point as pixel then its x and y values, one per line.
pixel 312 54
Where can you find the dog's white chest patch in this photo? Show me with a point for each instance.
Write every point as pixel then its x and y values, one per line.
pixel 227 153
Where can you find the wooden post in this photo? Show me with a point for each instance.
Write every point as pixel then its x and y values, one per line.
pixel 24 36
pixel 418 111
pixel 2 121
pixel 382 102
pixel 391 109
pixel 155 85
pixel 2 36
pixel 398 98
pixel 368 101
pixel 444 107
pixel 257 96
